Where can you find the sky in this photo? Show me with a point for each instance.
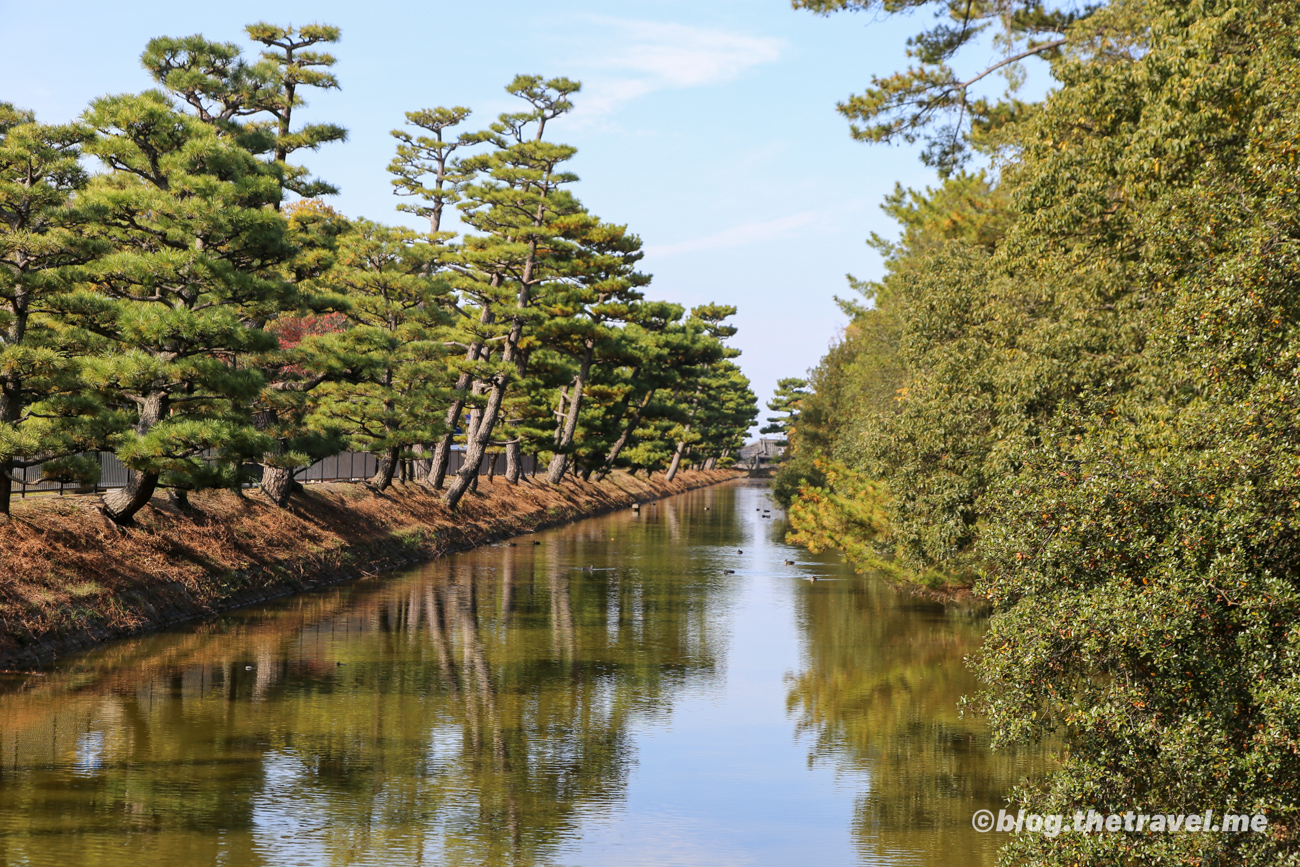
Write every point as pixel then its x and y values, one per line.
pixel 709 128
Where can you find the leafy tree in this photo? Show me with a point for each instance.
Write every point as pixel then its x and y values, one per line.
pixel 654 343
pixel 708 319
pixel 1141 560
pixel 600 287
pixel 727 410
pixel 194 240
pixel 45 410
pixel 309 353
pixel 289 63
pixel 786 403
pixel 1096 416
pixel 930 100
pixel 391 280
pixel 515 204
pixel 254 102
pixel 948 363
pixel 425 169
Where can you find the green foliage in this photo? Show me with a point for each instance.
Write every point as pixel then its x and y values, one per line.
pixel 254 102
pixel 1096 417
pixel 846 513
pixel 787 404
pixel 173 308
pixel 397 377
pixel 46 414
pixel 191 269
pixel 929 100
pixel 430 156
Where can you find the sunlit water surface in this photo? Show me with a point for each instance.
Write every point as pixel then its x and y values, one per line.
pixel 628 690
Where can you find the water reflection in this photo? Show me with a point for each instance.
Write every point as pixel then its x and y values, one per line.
pixel 878 692
pixel 629 690
pixel 464 715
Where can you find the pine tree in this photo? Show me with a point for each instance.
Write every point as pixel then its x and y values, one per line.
pixel 515 204
pixel 288 65
pixel 600 287
pixel 390 278
pixel 426 169
pixel 727 410
pixel 195 241
pixel 45 413
pixel 310 353
pixel 254 104
pixel 708 318
pixel 651 344
pixel 786 403
pixel 929 101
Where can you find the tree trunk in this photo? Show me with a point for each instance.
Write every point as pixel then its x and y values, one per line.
pixel 710 463
pixel 677 458
pixel 514 462
pixel 564 438
pixel 8 416
pixel 122 504
pixel 278 484
pixel 383 476
pixel 11 387
pixel 420 464
pixel 681 445
pixel 481 427
pixel 442 450
pixel 441 456
pixel 625 436
pixel 476 445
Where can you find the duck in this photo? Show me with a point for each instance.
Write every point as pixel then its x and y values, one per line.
pixel 728 571
pixel 789 562
pixel 738 551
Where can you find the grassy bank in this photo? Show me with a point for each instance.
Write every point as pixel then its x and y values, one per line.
pixel 70 578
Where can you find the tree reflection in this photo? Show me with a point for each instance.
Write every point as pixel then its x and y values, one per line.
pixel 476 713
pixel 879 693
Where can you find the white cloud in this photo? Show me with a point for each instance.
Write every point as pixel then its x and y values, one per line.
pixel 649 56
pixel 738 236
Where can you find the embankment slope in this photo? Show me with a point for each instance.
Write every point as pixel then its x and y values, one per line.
pixel 70 578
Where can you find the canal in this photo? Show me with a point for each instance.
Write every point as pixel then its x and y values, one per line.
pixel 677 686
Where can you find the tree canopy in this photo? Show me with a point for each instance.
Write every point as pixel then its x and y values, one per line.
pixel 1073 393
pixel 192 303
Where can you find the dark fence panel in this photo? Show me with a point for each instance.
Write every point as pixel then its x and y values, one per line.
pixel 343 467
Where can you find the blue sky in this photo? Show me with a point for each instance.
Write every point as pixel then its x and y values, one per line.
pixel 708 127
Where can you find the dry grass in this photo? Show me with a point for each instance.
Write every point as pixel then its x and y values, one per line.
pixel 70 577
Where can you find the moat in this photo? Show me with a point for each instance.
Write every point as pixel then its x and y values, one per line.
pixel 676 686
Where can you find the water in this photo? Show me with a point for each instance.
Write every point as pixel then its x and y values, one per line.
pixel 609 696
